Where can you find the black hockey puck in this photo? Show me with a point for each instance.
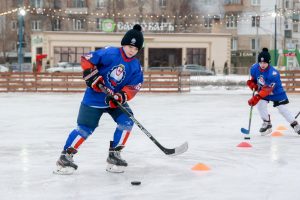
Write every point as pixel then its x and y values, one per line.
pixel 135 182
pixel 247 138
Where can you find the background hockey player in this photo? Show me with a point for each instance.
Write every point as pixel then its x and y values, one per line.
pixel 265 79
pixel 118 72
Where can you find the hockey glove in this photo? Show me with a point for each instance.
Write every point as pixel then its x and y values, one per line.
pixel 117 97
pixel 252 85
pixel 254 100
pixel 93 79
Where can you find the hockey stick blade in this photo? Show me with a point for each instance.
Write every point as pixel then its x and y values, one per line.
pixel 244 131
pixel 178 150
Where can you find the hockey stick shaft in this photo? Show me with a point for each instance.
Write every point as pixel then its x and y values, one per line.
pixel 297 115
pixel 243 130
pixel 167 151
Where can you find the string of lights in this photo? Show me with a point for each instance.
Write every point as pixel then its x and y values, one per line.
pixel 64 14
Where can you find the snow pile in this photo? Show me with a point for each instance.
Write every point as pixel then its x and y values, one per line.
pixel 219 80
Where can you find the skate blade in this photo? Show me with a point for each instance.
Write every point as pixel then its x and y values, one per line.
pixel 267 132
pixel 115 169
pixel 64 170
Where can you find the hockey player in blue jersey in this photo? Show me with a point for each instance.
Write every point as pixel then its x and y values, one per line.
pixel 117 71
pixel 265 79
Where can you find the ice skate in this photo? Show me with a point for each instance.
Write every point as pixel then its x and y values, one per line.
pixel 296 127
pixel 65 164
pixel 115 163
pixel 266 128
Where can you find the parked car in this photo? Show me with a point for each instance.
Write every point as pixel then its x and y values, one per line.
pixel 196 70
pixel 65 67
pixel 3 68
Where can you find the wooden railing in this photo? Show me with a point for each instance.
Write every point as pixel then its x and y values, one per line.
pixel 291 80
pixel 73 82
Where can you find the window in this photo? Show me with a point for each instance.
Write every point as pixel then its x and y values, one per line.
pixel 69 54
pixel 196 56
pixel 296 28
pixel 227 2
pixel 36 3
pixel 234 42
pixel 231 21
pixel 78 3
pixel 255 2
pixel 77 24
pixel 165 57
pixel 208 22
pixel 99 3
pixel 162 3
pixel 98 23
pixel 253 44
pixel 288 4
pixel 36 25
pixel 14 25
pixel 56 24
pixel 255 21
pixel 57 4
pixel 207 2
pixel 13 46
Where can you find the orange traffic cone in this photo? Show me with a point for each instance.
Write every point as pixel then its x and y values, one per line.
pixel 200 167
pixel 277 134
pixel 281 128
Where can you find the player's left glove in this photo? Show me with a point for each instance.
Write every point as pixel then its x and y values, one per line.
pixel 93 79
pixel 117 97
pixel 254 100
pixel 252 85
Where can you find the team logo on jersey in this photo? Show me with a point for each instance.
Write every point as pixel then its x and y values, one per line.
pixel 261 80
pixel 117 75
pixel 133 41
pixel 274 73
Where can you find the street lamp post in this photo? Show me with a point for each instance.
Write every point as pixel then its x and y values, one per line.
pixel 21 15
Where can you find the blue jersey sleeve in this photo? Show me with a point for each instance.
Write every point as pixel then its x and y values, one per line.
pixel 96 56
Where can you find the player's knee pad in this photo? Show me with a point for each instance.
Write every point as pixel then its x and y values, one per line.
pixel 124 122
pixel 84 131
pixel 127 125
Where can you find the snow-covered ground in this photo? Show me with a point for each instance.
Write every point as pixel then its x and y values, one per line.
pixel 34 127
pixel 220 80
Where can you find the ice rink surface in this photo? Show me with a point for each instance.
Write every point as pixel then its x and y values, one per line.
pixel 34 128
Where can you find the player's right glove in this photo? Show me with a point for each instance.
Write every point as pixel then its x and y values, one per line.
pixel 93 79
pixel 121 97
pixel 254 100
pixel 252 85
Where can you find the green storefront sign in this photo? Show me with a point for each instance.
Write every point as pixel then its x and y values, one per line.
pixel 108 25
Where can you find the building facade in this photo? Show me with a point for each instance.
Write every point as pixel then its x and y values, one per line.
pixel 251 24
pixel 160 49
